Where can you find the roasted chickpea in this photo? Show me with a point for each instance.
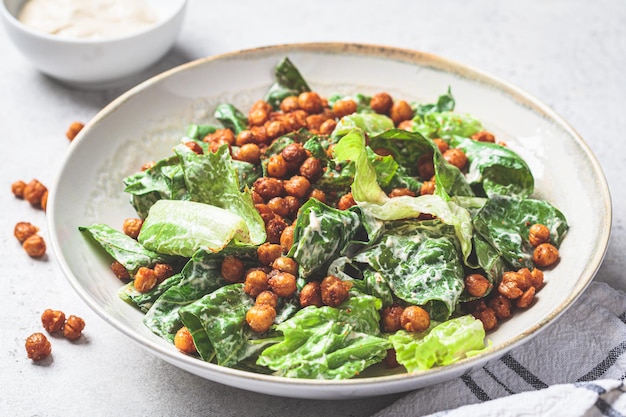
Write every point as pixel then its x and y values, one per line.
pixel 414 319
pixel 545 255
pixel 286 239
pixel 344 107
pixel 17 188
pixel 183 340
pixel 294 205
pixel 426 166
pixel 501 306
pixel 334 291
pixel 52 320
pixel 456 157
pixel 477 285
pixel 260 317
pixel 294 153
pixel 145 279
pixel 286 264
pixel 289 104
pixel 526 299
pixel 268 187
pixel 268 252
pixel 274 229
pixel 195 147
pixel 536 278
pixel 314 122
pixel 295 120
pixel 24 230
pixel 318 194
pixel 484 136
pixel 262 104
pixel 274 129
pixel 33 192
pixel 427 187
pixel 310 102
pixel 390 360
pixel 398 192
pixel 222 136
pixel 406 125
pixel 390 318
pixel 258 116
pixel 120 270
pixel 442 145
pixel 297 186
pixel 538 234
pixel 279 206
pixel 400 111
pixel 311 168
pixel 74 130
pixel 73 327
pixel 132 227
pixel 35 246
pixel 268 298
pixel 328 127
pixel 277 166
pixel 256 198
pixel 265 211
pixel 311 295
pixel 162 272
pixel 259 135
pixel 249 152
pixel 513 285
pixel 255 282
pixel 487 316
pixel 37 347
pixel 283 284
pixel 345 202
pixel 147 165
pixel 243 137
pixel 233 269
pixel 381 103
pixel 44 201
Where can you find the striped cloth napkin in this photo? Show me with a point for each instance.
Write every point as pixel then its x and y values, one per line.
pixel 576 367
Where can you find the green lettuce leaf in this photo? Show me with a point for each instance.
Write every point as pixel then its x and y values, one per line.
pixel 442 344
pixel 288 82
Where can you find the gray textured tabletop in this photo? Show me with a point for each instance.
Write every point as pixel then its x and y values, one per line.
pixel 571 54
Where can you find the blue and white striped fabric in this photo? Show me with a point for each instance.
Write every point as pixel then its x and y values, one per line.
pixel 576 367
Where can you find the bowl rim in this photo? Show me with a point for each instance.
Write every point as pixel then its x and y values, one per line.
pixel 11 19
pixel 395 382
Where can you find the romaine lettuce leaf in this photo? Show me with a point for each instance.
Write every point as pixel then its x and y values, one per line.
pixel 442 344
pixel 446 124
pixel 327 342
pixel 288 82
pixel 370 123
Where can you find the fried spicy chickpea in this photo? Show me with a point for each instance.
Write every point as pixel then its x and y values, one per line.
pixel 318 194
pixel 344 107
pixel 120 270
pixel 442 145
pixel 398 192
pixel 17 188
pixel 294 153
pixel 44 201
pixel 311 295
pixel 426 166
pixel 381 103
pixel 37 347
pixel 289 104
pixel 286 239
pixel 545 255
pixel 501 306
pixel 526 299
pixel 277 166
pixel 221 135
pixel 255 282
pixel 538 234
pixel 145 279
pixel 283 284
pixel 484 136
pixel 268 187
pixel 274 229
pixel 487 316
pixel 35 246
pixel 513 285
pixel 24 230
pixel 294 204
pixel 162 272
pixel 260 317
pixel 268 298
pixel 73 327
pixel 132 227
pixel 279 206
pixel 456 157
pixel 477 285
pixel 249 152
pixel 311 168
pixel 33 192
pixel 52 320
pixel 195 147
pixel 297 186
pixel 183 341
pixel 334 291
pixel 427 187
pixel 310 102
pixel 265 211
pixel 536 278
pixel 73 130
pixel 345 202
pixel 268 252
pixel 233 269
pixel 390 318
pixel 286 264
pixel 400 111
pixel 328 126
pixel 414 319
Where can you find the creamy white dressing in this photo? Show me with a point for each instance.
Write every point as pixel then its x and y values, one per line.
pixel 88 19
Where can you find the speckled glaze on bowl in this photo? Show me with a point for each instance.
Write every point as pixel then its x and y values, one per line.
pixel 147 121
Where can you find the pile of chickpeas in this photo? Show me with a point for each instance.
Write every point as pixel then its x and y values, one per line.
pixel 37 345
pixel 26 233
pixel 291 180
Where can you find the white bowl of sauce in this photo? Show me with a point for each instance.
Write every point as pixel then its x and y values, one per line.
pixel 93 43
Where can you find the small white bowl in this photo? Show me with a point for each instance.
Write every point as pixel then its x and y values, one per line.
pixel 96 63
